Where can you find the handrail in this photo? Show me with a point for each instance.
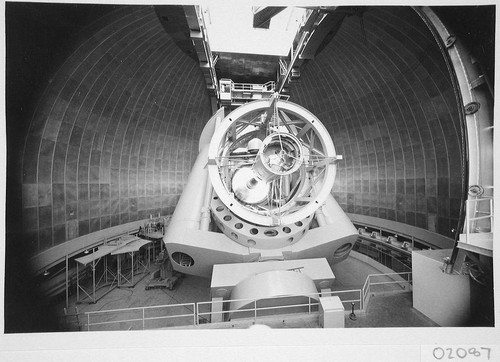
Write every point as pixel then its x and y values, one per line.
pixel 403 231
pixel 368 283
pixel 386 244
pixel 189 306
pixel 266 87
pixel 387 274
pixel 471 215
pixel 365 291
pixel 318 294
pixel 138 308
pixel 363 299
pixel 253 84
pixel 394 258
pixel 238 93
pixel 255 309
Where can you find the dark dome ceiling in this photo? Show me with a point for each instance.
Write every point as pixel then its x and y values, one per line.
pixel 104 111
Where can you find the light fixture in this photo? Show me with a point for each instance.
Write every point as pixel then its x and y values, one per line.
pixel 86 251
pixel 45 273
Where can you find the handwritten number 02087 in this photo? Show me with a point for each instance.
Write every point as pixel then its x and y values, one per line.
pixel 451 353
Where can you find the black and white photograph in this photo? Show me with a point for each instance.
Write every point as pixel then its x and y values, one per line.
pixel 184 171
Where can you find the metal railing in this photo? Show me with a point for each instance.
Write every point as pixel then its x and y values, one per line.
pixel 162 316
pixel 255 308
pixel 165 316
pixel 389 283
pixel 398 260
pixel 476 213
pixel 378 235
pixel 266 87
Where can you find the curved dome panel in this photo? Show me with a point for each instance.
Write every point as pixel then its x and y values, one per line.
pixel 115 133
pixel 387 99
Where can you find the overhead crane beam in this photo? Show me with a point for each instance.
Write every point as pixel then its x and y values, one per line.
pixel 262 16
pixel 196 23
pixel 319 28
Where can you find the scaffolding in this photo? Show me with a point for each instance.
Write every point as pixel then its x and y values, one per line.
pixel 107 278
pixel 138 266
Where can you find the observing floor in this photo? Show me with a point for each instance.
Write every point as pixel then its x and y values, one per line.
pixel 384 310
pixel 390 311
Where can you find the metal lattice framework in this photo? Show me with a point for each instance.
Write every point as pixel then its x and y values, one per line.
pixel 272 162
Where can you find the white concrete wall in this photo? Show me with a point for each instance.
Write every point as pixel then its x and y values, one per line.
pixel 444 298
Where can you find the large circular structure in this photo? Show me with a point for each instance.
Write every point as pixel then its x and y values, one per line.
pixel 272 162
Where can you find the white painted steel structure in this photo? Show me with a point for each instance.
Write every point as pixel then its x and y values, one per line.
pixel 478 112
pixel 301 142
pixel 263 179
pixel 196 314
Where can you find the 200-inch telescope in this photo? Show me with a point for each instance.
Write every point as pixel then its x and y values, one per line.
pixel 260 190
